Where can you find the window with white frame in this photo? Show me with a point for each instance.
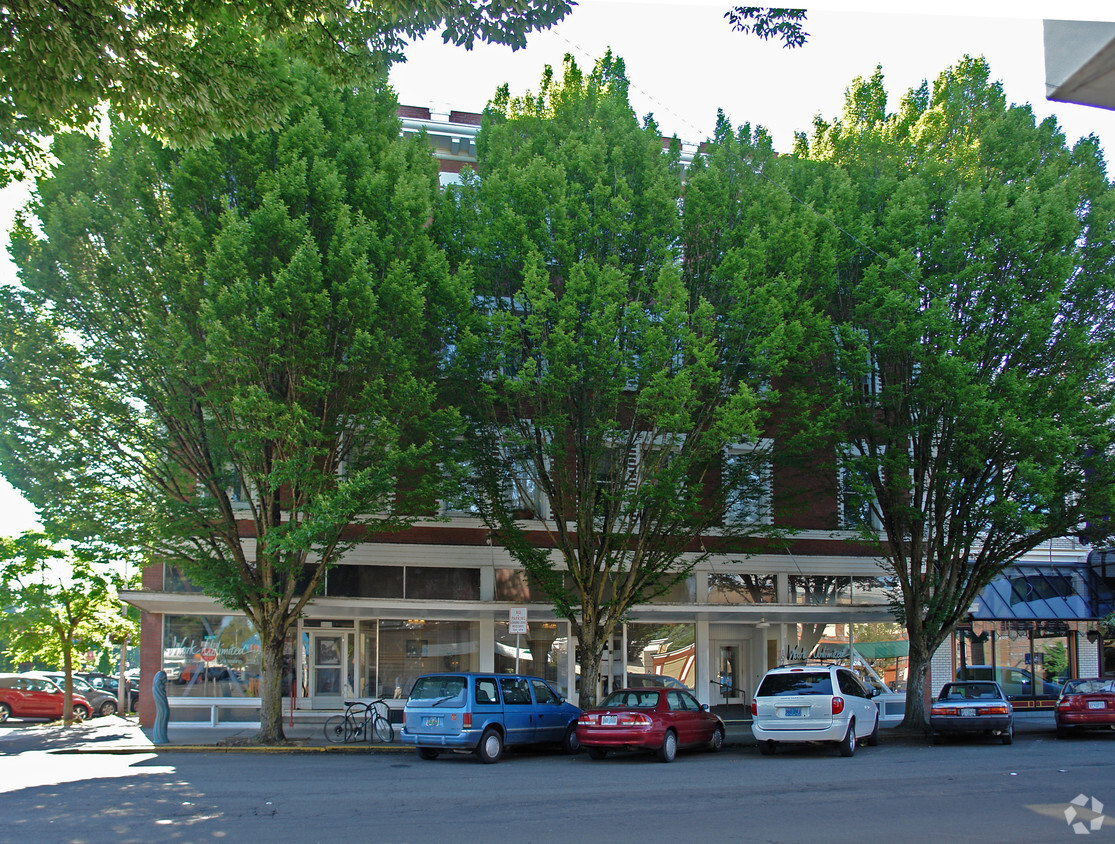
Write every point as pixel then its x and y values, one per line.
pixel 747 483
pixel 858 506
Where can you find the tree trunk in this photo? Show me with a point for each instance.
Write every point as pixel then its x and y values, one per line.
pixel 67 686
pixel 915 719
pixel 271 688
pixel 588 656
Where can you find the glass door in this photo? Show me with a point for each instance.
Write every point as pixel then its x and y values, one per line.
pixel 328 653
pixel 726 672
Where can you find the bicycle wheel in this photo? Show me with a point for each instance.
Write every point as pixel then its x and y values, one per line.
pixel 358 728
pixel 381 729
pixel 335 729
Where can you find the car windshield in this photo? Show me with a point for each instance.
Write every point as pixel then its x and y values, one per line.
pixel 969 691
pixel 796 683
pixel 632 699
pixel 1087 687
pixel 439 688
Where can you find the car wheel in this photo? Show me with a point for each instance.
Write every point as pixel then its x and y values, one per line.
pixel 767 748
pixel 716 743
pixel 5 712
pixel 873 739
pixel 1007 736
pixel 597 753
pixel 847 745
pixel 108 707
pixel 490 748
pixel 570 744
pixel 81 713
pixel 935 738
pixel 669 749
pixel 1062 731
pixel 427 753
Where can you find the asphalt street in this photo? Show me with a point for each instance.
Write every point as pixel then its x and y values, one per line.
pixel 902 790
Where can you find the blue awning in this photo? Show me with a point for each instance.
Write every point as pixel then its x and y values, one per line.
pixel 1028 592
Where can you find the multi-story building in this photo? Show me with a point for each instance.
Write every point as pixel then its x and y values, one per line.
pixel 439 595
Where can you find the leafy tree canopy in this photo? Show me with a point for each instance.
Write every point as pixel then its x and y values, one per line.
pixel 56 603
pixel 244 333
pixel 599 375
pixel 968 277
pixel 192 71
pixel 769 22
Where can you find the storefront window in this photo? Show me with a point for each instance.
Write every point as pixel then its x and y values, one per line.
pixel 741 588
pixel 542 651
pixel 1030 659
pixel 210 656
pixel 817 590
pixel 410 648
pixel 446 584
pixel 658 651
pixel 873 591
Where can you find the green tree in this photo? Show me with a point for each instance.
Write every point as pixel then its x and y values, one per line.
pixel 223 359
pixel 768 22
pixel 56 603
pixel 192 71
pixel 601 389
pixel 968 279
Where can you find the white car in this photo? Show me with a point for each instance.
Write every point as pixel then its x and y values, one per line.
pixel 813 703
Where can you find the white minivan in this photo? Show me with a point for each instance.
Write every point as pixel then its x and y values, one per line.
pixel 826 703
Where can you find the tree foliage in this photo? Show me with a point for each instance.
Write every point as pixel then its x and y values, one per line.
pixel 602 381
pixel 242 333
pixel 968 279
pixel 189 72
pixel 57 603
pixel 768 22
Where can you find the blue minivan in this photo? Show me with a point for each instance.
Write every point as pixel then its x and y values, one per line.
pixel 484 713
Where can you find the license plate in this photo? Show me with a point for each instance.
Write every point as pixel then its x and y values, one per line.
pixel 608 720
pixel 968 713
pixel 1095 704
pixel 793 712
pixel 433 721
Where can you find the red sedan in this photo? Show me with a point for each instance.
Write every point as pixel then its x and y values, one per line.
pixel 1085 703
pixel 662 720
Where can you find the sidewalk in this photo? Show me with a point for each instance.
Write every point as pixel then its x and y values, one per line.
pixel 123 734
pixel 117 734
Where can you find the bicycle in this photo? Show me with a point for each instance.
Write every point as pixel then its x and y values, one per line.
pixel 361 721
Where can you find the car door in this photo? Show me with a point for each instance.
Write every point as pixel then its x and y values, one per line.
pixel 856 696
pixel 44 698
pixel 518 708
pixel 682 717
pixel 549 719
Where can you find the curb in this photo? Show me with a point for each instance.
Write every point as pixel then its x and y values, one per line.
pixel 216 748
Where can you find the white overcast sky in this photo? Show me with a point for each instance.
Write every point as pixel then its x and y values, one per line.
pixel 684 63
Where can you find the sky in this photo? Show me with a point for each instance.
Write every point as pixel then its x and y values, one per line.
pixel 684 63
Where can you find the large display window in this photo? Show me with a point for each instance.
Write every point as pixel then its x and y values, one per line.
pixel 210 656
pixel 542 651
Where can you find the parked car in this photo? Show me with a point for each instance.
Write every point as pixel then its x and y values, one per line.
pixel 485 713
pixel 111 685
pixel 102 701
pixel 1016 682
pixel 806 703
pixel 1085 703
pixel 22 696
pixel 972 706
pixel 659 719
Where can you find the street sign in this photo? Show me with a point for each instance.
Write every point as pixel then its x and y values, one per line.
pixel 517 620
pixel 208 654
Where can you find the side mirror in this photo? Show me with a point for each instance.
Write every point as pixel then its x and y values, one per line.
pixel 704 707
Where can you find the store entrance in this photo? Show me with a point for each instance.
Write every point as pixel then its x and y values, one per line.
pixel 330 656
pixel 727 670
